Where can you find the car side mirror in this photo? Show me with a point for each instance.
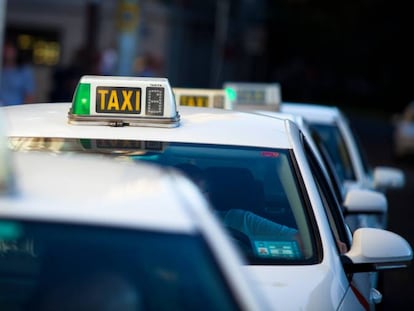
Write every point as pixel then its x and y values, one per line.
pixel 364 201
pixel 375 249
pixel 388 178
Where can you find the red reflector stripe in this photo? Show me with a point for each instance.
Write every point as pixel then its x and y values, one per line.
pixel 360 297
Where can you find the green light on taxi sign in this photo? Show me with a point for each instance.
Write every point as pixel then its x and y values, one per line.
pixel 81 100
pixel 231 93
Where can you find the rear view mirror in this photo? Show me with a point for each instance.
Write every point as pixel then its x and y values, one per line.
pixel 364 201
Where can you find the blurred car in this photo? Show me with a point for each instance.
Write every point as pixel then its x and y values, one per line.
pixel 333 128
pixel 265 99
pixel 403 135
pixel 259 170
pixel 87 233
pixel 372 203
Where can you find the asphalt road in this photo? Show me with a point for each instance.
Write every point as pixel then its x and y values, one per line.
pixel 376 137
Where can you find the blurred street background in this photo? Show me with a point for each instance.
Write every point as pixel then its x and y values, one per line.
pixel 354 54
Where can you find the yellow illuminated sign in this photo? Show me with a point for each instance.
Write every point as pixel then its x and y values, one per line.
pixel 194 101
pixel 118 100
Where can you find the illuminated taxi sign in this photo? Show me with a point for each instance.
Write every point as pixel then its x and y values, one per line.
pixel 118 99
pixel 246 96
pixel 124 101
pixel 211 98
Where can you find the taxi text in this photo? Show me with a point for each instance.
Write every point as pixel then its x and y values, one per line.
pixel 194 101
pixel 118 99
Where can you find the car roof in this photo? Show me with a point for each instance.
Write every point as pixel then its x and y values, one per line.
pixel 92 190
pixel 100 191
pixel 198 125
pixel 313 112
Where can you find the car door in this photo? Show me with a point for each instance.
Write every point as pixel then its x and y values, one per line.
pixel 358 285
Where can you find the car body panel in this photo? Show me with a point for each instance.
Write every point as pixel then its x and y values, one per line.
pixel 122 195
pixel 225 128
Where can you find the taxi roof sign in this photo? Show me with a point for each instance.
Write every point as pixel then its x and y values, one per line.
pixel 249 95
pixel 195 97
pixel 124 101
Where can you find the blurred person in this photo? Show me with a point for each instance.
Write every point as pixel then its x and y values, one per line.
pixel 244 221
pixel 109 61
pixel 17 78
pixel 65 79
pixel 146 66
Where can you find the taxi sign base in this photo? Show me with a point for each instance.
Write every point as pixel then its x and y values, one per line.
pixel 126 121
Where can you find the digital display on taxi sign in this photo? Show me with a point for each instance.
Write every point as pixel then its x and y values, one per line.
pixel 118 100
pixel 251 96
pixel 155 101
pixel 194 101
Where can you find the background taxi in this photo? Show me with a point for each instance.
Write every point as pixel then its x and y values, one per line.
pixel 368 206
pixel 343 146
pixel 258 170
pixel 86 233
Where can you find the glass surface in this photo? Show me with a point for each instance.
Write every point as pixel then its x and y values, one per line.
pixel 255 192
pixel 337 149
pixel 47 266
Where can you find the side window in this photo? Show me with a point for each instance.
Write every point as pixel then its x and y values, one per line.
pixel 330 202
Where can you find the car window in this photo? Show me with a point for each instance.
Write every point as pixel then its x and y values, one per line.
pixel 44 266
pixel 253 191
pixel 361 152
pixel 337 149
pixel 330 201
pixel 334 179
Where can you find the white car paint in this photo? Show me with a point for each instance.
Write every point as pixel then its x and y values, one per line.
pixel 327 278
pixel 94 191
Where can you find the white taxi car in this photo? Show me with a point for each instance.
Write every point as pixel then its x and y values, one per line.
pixel 262 178
pixel 372 205
pixel 85 233
pixel 348 155
pixel 265 99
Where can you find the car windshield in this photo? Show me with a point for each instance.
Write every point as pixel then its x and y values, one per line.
pixel 337 149
pixel 255 192
pixel 46 266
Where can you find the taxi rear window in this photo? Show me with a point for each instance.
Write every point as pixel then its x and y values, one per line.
pixel 44 266
pixel 254 191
